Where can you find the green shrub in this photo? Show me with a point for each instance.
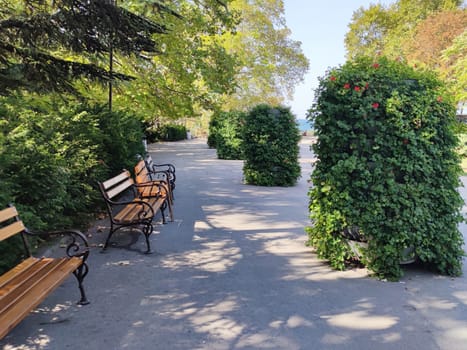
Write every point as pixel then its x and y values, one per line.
pixel 386 166
pixel 120 138
pixel 270 147
pixel 215 124
pixel 172 132
pixel 54 152
pixel 225 134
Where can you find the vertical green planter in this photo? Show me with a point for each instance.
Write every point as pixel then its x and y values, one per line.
pixel 387 165
pixel 270 147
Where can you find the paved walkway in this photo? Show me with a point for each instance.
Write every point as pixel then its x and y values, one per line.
pixel 232 272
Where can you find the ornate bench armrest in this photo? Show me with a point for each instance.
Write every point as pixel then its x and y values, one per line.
pixel 77 246
pixel 169 167
pixel 160 175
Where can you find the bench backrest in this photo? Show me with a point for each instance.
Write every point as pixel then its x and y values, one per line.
pixel 116 185
pixel 141 172
pixel 10 225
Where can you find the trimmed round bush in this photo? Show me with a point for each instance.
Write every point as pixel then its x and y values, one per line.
pixel 270 147
pixel 387 171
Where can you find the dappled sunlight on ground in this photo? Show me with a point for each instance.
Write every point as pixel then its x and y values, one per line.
pixel 240 220
pixel 361 320
pixel 41 342
pixel 212 319
pixel 462 296
pixel 217 256
pixel 265 341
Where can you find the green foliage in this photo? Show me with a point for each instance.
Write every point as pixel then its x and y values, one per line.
pixel 47 45
pixel 12 252
pixel 120 138
pixel 416 31
pixel 52 154
pixel 270 147
pixel 168 132
pixel 225 134
pixel 271 62
pixel 387 166
pixel 385 30
pixel 194 71
pixel 455 59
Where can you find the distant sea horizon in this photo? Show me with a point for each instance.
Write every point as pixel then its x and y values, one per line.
pixel 304 125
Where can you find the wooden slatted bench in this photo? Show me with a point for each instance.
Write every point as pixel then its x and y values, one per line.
pixel 143 177
pixel 27 284
pixel 156 169
pixel 127 207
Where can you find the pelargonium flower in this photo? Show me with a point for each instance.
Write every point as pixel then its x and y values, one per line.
pixel 375 105
pixel 376 65
pixel 332 78
pixel 357 88
pixel 346 86
pixel 439 99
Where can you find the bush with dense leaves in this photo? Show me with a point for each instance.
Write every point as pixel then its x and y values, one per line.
pixel 53 152
pixel 386 167
pixel 173 132
pixel 270 147
pixel 167 132
pixel 225 134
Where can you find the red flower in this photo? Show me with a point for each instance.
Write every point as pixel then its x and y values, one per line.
pixel 357 88
pixel 439 99
pixel 346 86
pixel 375 105
pixel 376 65
pixel 332 78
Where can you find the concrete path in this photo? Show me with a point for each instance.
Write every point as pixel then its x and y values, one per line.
pixel 232 272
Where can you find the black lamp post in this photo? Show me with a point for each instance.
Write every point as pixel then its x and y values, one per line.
pixel 111 58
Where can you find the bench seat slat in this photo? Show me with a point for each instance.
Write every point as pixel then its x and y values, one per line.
pixel 22 276
pixel 26 279
pixel 42 285
pixel 24 265
pixel 131 212
pixel 152 191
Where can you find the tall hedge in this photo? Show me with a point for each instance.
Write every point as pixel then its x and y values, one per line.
pixel 387 171
pixel 225 134
pixel 270 147
pixel 52 153
pixel 166 132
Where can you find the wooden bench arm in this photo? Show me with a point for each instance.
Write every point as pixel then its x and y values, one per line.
pixel 155 175
pixel 170 167
pixel 78 247
pixel 152 189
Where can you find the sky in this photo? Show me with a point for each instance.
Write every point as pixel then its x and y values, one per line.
pixel 320 25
